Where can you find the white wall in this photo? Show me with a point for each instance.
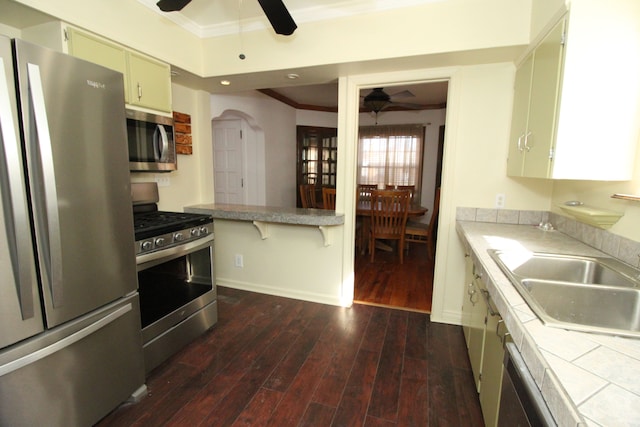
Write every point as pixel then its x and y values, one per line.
pixel 192 183
pixel 278 122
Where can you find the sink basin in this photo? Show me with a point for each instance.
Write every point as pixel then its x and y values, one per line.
pixel 588 308
pixel 590 294
pixel 567 268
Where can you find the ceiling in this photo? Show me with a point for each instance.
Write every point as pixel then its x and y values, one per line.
pixel 211 18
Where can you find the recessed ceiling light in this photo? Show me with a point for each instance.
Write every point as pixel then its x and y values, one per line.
pixel 225 82
pixel 293 76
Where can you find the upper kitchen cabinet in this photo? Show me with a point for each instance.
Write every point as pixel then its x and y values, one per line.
pixel 147 80
pixel 576 108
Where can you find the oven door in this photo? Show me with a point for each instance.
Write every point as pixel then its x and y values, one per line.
pixel 177 297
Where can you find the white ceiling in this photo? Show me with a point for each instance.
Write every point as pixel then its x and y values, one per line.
pixel 211 18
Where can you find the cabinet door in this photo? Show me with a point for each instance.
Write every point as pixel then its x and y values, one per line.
pixel 522 88
pixel 149 82
pixel 477 331
pixel 545 84
pixel 98 51
pixel 492 369
pixel 467 301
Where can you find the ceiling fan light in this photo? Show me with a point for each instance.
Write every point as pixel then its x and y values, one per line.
pixel 376 100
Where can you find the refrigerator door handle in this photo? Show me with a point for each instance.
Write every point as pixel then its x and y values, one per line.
pixel 33 357
pixel 54 249
pixel 17 218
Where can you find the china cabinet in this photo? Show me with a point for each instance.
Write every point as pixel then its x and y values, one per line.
pixel 317 158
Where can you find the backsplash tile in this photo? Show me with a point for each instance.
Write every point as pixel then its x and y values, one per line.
pixel 619 247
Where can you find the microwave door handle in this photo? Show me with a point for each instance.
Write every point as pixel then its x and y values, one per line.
pixel 17 219
pixel 53 261
pixel 161 143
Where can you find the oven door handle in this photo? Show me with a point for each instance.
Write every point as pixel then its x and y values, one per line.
pixel 145 261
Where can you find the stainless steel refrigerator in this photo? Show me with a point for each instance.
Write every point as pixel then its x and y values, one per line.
pixel 70 341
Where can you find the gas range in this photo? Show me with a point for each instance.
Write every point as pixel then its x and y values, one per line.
pixel 156 230
pixel 159 230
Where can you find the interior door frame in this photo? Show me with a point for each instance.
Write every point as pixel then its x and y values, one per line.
pixel 349 88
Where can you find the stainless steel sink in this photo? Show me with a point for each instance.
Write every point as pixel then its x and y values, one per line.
pixel 591 294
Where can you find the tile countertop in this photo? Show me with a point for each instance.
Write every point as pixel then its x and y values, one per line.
pixel 279 215
pixel 586 379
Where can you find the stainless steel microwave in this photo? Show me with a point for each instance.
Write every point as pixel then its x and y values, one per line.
pixel 151 142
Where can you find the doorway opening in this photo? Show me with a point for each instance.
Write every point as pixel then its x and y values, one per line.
pixel 386 282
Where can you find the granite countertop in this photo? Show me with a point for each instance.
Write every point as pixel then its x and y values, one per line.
pixel 585 379
pixel 278 215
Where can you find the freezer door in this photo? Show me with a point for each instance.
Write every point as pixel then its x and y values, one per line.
pixel 75 374
pixel 20 314
pixel 76 149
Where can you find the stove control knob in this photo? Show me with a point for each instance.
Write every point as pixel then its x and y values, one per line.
pixel 204 230
pixel 160 241
pixel 178 237
pixel 147 245
pixel 195 232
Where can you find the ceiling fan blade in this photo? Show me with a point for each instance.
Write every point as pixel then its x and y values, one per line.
pixel 407 105
pixel 172 5
pixel 403 94
pixel 278 16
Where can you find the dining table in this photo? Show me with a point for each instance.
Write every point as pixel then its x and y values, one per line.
pixel 363 210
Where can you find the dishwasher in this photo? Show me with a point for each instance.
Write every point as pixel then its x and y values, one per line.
pixel 521 403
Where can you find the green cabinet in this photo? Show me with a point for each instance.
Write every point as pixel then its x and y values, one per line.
pixel 576 110
pixel 485 334
pixel 535 101
pixel 492 363
pixel 99 51
pixel 149 82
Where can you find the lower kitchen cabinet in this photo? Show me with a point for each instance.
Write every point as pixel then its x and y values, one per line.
pixel 485 334
pixel 492 363
pixel 476 328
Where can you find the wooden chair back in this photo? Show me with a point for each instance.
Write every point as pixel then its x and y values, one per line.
pixel 425 233
pixel 308 195
pixel 389 217
pixel 364 192
pixel 329 198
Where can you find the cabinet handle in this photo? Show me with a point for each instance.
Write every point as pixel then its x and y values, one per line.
pixel 471 292
pixel 526 141
pixel 487 300
pixel 520 142
pixel 139 92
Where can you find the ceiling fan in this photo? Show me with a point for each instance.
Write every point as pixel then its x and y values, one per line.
pixel 378 100
pixel 275 10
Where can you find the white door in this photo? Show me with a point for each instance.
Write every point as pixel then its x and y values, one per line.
pixel 228 162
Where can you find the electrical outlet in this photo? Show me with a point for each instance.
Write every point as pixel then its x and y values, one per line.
pixel 500 198
pixel 239 261
pixel 163 180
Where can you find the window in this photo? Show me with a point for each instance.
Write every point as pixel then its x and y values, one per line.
pixel 391 155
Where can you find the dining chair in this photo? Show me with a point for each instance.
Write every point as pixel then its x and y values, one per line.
pixel 411 188
pixel 364 191
pixel 328 198
pixel 388 218
pixel 308 195
pixel 419 232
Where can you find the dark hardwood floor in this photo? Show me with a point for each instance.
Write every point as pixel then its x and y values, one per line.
pixel 274 361
pixel 386 282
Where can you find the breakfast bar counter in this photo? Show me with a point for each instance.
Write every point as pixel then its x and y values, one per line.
pixel 269 214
